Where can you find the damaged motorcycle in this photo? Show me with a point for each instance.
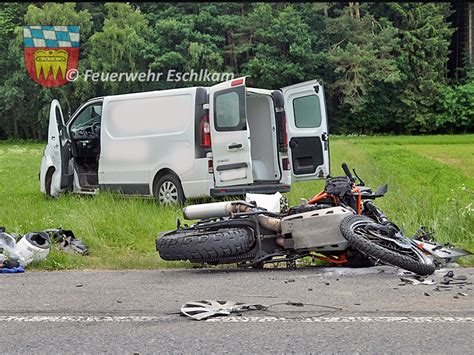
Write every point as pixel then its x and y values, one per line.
pixel 341 225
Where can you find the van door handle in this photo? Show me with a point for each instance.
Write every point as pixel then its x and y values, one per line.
pixel 235 146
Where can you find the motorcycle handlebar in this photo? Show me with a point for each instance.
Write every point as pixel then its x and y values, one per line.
pixel 348 172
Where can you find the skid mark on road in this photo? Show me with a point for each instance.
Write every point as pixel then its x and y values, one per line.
pixel 148 319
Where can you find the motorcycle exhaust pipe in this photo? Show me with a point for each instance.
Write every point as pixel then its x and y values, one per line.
pixel 223 209
pixel 208 210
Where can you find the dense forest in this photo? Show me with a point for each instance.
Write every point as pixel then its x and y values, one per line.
pixel 384 65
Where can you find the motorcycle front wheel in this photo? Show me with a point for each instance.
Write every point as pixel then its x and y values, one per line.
pixel 385 245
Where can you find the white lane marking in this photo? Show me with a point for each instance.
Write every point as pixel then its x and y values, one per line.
pixel 83 319
pixel 231 319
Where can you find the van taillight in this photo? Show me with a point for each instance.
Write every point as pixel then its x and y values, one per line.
pixel 282 132
pixel 285 134
pixel 205 130
pixel 286 163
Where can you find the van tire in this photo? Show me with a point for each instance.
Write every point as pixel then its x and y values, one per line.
pixel 168 190
pixel 208 246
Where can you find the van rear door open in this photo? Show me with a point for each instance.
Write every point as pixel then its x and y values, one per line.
pixel 307 130
pixel 230 134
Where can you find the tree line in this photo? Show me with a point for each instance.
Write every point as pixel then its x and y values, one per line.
pixel 384 65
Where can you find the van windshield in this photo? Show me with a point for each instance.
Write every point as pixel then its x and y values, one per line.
pixel 88 116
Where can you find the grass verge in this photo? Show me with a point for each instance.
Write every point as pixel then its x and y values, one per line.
pixel 430 183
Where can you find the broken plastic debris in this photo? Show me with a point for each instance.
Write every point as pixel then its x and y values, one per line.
pixel 415 282
pixel 449 274
pixel 443 254
pixel 450 279
pixel 271 203
pixel 205 309
pixel 67 241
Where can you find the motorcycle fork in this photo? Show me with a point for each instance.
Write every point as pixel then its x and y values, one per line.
pixel 379 215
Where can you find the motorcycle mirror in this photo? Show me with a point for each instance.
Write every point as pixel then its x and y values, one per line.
pixel 361 182
pixel 347 172
pixel 382 190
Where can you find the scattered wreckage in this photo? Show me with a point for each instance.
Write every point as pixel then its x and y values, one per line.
pixel 204 310
pixel 340 225
pixel 18 251
pixel 445 282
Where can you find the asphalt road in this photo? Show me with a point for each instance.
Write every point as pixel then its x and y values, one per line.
pixel 137 312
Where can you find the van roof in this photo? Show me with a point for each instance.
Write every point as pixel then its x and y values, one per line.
pixel 146 93
pixel 177 90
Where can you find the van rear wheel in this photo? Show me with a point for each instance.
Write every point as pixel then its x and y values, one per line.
pixel 168 190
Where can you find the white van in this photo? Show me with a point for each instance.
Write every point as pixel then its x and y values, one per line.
pixel 222 140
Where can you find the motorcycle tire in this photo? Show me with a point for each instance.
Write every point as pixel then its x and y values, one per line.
pixel 416 262
pixel 204 246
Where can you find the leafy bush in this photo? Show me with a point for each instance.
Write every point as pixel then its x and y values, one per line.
pixel 458 105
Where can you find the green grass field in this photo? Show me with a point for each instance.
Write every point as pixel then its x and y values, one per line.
pixel 430 182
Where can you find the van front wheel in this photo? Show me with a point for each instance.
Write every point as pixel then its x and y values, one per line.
pixel 168 190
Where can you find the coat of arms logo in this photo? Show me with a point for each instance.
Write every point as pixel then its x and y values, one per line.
pixel 50 52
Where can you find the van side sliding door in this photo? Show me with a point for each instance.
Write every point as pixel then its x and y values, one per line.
pixel 307 130
pixel 230 135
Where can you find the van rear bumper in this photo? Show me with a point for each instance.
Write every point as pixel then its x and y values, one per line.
pixel 243 189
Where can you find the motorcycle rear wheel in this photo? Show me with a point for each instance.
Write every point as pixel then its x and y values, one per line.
pixel 204 246
pixel 359 232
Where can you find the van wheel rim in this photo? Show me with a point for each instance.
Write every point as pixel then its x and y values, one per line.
pixel 168 193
